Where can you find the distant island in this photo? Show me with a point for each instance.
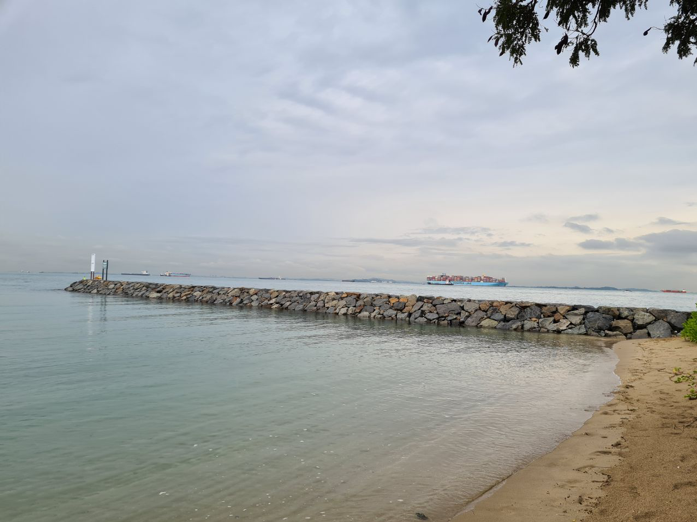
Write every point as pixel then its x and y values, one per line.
pixel 372 280
pixel 611 288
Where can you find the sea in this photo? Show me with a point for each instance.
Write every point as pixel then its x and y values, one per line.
pixel 116 409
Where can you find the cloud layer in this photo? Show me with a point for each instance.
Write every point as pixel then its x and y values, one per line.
pixel 339 139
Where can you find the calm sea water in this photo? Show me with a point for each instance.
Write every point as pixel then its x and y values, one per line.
pixel 643 299
pixel 115 409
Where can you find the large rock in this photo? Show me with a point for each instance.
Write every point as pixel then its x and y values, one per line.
pixel 470 306
pixel 488 323
pixel 546 322
pixel 511 313
pixel 597 322
pixel 659 329
pixel 399 306
pixel 449 308
pixel 531 312
pixel 641 334
pixel 642 318
pixel 659 313
pixel 609 310
pixel 549 310
pixel 560 326
pixel 677 319
pixel 432 316
pixel 475 318
pixel 626 313
pixel 576 330
pixel 530 326
pixel 575 318
pixel 428 308
pixel 622 325
pixel 510 325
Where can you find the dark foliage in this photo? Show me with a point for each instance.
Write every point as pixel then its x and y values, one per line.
pixel 517 23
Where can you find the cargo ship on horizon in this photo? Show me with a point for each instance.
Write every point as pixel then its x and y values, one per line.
pixel 482 280
pixel 174 274
pixel 143 273
pixel 674 291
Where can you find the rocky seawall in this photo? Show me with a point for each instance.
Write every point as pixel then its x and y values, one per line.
pixel 603 321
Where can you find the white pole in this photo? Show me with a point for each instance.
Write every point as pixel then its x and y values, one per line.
pixel 94 258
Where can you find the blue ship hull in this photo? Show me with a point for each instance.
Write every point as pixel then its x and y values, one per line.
pixel 478 283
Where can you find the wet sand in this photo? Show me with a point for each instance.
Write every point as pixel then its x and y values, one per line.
pixel 635 459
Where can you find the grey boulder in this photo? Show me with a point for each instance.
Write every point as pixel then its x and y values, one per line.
pixel 659 329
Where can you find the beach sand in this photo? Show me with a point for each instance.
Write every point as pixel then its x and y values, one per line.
pixel 635 459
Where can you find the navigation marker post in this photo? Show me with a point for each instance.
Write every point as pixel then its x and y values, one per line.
pixel 94 259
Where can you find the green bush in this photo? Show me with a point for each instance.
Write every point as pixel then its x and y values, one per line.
pixel 689 331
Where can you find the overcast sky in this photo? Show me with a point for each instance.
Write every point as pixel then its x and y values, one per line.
pixel 342 140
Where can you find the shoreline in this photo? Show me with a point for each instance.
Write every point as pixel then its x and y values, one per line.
pixel 610 469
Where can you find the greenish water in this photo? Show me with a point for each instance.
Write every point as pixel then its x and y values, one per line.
pixel 117 409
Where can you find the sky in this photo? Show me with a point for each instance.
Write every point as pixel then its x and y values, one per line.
pixel 342 139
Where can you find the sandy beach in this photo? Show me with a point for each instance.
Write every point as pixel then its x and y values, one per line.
pixel 634 460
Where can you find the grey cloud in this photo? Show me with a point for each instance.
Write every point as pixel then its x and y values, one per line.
pixel 409 241
pixel 511 244
pixel 691 203
pixel 583 229
pixel 537 218
pixel 672 242
pixel 606 230
pixel 585 218
pixel 616 244
pixel 667 221
pixel 455 231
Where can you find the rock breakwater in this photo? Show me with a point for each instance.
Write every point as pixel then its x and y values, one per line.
pixel 603 321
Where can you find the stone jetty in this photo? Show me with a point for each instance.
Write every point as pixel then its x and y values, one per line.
pixel 603 321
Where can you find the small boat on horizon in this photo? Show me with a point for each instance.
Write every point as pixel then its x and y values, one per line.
pixel 174 274
pixel 143 273
pixel 674 291
pixel 274 278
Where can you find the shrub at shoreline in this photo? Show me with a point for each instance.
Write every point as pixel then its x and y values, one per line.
pixel 689 331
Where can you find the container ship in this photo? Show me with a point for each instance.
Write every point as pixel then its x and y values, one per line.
pixel 674 291
pixel 174 274
pixel 482 280
pixel 143 273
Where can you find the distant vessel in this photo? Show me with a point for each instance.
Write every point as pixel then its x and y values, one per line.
pixel 274 278
pixel 674 291
pixel 482 280
pixel 143 273
pixel 174 274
